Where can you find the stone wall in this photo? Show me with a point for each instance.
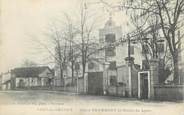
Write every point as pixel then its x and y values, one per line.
pixel 169 92
pixel 134 82
pixel 117 91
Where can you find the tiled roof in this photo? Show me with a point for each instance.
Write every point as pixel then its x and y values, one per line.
pixel 29 71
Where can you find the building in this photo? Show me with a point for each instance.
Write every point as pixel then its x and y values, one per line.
pixel 102 66
pixel 116 54
pixel 121 68
pixel 6 81
pixel 115 58
pixel 72 77
pixel 28 77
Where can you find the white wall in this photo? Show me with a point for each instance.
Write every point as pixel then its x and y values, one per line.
pixel 6 77
pixel 122 49
pixel 28 81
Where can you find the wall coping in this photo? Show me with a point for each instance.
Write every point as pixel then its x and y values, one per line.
pixel 168 86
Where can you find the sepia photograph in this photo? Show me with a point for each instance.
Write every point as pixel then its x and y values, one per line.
pixel 96 57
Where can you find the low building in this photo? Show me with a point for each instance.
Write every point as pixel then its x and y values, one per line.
pixel 5 81
pixel 31 77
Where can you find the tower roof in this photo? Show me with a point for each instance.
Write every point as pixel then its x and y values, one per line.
pixel 109 23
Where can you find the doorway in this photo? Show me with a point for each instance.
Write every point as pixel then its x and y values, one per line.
pixel 21 84
pixel 144 85
pixel 95 83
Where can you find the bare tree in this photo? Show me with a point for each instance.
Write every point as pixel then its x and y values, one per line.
pixel 86 41
pixel 55 46
pixel 170 21
pixel 73 41
pixel 170 14
pixel 61 58
pixel 28 63
pixel 72 52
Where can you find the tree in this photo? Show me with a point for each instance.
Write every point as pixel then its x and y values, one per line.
pixel 59 54
pixel 170 21
pixel 28 63
pixel 85 32
pixel 73 40
pixel 61 57
pixel 169 13
pixel 72 53
pixel 84 40
pixel 151 41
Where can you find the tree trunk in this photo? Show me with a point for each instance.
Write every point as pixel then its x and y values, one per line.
pixel 72 73
pixel 176 69
pixel 61 75
pixel 84 69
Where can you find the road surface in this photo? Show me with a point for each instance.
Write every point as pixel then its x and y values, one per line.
pixel 66 97
pixel 58 102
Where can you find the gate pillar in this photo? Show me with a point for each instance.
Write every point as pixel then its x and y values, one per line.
pixel 153 76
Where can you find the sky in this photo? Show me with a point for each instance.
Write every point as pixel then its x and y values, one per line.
pixel 23 21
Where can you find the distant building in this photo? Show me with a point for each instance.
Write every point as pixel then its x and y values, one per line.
pixel 116 74
pixel 102 65
pixel 116 54
pixel 6 81
pixel 28 77
pixel 32 77
pixel 111 71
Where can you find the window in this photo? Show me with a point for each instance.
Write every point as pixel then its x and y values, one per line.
pixel 160 48
pixel 91 65
pixel 113 80
pixel 110 51
pixel 64 67
pixel 110 38
pixel 145 49
pixel 161 63
pixel 112 65
pixel 131 50
pixel 145 65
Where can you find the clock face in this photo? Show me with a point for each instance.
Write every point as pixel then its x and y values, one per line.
pixel 91 65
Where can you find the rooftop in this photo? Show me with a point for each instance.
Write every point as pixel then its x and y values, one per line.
pixel 29 71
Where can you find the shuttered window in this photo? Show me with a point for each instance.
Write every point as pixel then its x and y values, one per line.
pixel 160 48
pixel 131 50
pixel 113 80
pixel 110 51
pixel 91 65
pixel 112 65
pixel 110 38
pixel 145 49
pixel 145 65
